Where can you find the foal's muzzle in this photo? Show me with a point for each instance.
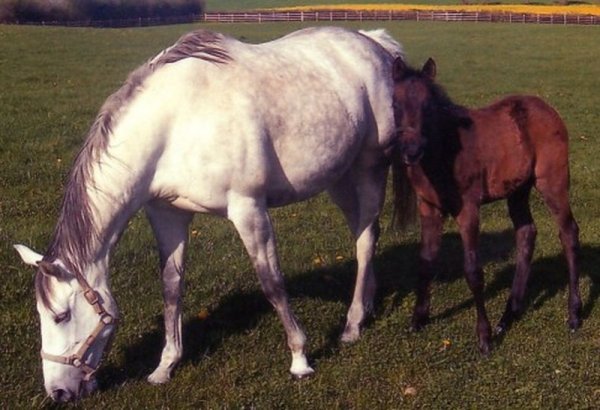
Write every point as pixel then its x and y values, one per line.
pixel 411 153
pixel 411 145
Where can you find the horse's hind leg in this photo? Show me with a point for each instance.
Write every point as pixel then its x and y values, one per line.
pixel 170 228
pixel 360 197
pixel 556 196
pixel 525 232
pixel 253 223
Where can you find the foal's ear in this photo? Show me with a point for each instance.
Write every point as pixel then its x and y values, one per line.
pixel 30 257
pixel 429 69
pixel 399 69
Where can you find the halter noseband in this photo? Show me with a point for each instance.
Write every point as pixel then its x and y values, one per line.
pixel 106 319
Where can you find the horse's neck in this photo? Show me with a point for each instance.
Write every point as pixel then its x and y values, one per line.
pixel 103 204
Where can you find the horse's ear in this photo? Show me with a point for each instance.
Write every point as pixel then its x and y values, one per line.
pixel 429 69
pixel 398 69
pixel 28 256
pixel 50 269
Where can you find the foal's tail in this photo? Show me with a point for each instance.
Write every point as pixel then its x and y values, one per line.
pixel 405 198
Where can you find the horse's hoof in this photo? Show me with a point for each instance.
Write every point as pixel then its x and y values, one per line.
pixel 305 374
pixel 500 329
pixel 159 377
pixel 351 334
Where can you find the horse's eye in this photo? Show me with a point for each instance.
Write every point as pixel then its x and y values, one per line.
pixel 63 317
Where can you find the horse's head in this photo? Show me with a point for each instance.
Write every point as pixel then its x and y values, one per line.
pixel 412 103
pixel 75 327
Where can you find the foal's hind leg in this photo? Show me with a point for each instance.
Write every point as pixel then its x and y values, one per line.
pixel 360 197
pixel 170 227
pixel 556 195
pixel 253 223
pixel 520 214
pixel 468 222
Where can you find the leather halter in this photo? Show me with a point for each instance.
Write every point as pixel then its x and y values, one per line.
pixel 106 319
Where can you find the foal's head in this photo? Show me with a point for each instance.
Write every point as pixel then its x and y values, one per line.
pixel 414 93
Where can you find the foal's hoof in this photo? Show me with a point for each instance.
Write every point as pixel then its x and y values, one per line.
pixel 418 324
pixel 574 324
pixel 501 328
pixel 485 349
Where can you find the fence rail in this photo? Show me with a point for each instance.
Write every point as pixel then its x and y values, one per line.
pixel 263 17
pixel 314 16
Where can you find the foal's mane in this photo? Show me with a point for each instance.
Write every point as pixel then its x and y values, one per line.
pixel 76 233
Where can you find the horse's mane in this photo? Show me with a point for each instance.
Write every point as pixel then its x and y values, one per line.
pixel 384 39
pixel 75 233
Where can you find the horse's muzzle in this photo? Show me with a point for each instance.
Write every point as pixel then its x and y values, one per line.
pixel 62 396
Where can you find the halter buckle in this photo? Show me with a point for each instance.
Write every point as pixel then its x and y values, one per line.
pixel 76 361
pixel 107 319
pixel 91 296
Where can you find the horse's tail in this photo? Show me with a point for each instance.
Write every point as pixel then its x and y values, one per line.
pixel 405 198
pixel 386 41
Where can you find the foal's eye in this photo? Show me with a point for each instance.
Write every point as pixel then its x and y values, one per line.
pixel 63 317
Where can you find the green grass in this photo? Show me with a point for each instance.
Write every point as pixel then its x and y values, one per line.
pixel 53 81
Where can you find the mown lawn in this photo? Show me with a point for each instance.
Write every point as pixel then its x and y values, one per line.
pixel 52 82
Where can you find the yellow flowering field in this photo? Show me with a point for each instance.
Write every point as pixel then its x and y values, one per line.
pixel 512 8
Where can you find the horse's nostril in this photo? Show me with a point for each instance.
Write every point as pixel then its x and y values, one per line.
pixel 60 395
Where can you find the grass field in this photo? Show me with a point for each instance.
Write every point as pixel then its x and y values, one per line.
pixel 53 81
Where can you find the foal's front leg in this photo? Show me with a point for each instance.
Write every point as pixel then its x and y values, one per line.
pixel 468 222
pixel 170 228
pixel 431 237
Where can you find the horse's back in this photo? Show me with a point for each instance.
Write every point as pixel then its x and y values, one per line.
pixel 283 119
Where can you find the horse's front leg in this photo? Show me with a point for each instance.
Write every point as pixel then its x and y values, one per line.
pixel 468 222
pixel 170 228
pixel 253 223
pixel 431 237
pixel 360 197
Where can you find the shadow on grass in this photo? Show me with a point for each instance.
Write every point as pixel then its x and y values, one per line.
pixel 396 274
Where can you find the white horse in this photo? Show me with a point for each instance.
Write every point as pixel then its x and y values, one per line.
pixel 217 126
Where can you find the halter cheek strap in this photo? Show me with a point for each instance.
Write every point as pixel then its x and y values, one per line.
pixel 77 358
